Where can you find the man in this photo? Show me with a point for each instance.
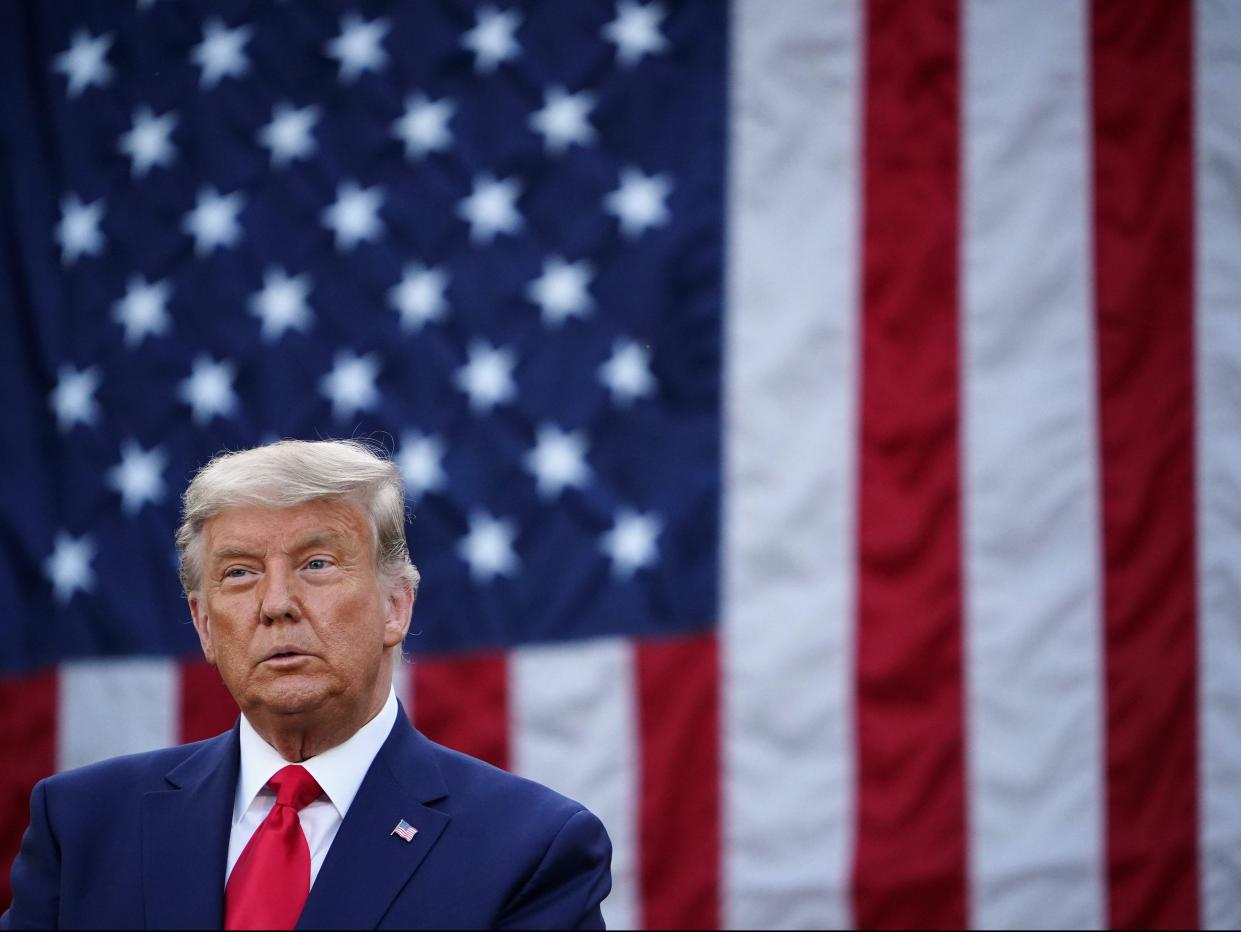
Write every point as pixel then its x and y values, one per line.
pixel 322 807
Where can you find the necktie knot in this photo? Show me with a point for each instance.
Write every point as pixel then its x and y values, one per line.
pixel 295 787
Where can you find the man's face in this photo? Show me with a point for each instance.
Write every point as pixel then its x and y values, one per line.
pixel 292 611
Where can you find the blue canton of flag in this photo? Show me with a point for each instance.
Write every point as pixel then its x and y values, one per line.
pixel 488 237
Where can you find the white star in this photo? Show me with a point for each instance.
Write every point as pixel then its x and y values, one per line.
pixel 213 221
pixel 419 295
pixel 423 127
pixel 143 311
pixel 488 547
pixel 491 208
pixel 627 373
pixel 220 53
pixel 639 201
pixel 138 476
pixel 209 389
pixel 558 460
pixel 351 384
pixel 631 542
pixel 85 62
pixel 563 119
pixel 73 398
pixel 354 216
pixel 288 134
pixel 561 291
pixel 69 567
pixel 147 143
pixel 492 40
pixel 78 231
pixel 358 48
pixel 421 461
pixel 487 377
pixel 281 304
pixel 636 31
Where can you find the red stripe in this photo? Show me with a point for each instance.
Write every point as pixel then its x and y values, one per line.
pixel 679 818
pixel 1143 183
pixel 910 866
pixel 462 702
pixel 206 706
pixel 28 735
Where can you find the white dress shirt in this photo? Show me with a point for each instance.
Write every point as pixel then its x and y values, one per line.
pixel 339 771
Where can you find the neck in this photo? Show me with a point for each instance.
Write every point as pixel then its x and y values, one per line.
pixel 299 736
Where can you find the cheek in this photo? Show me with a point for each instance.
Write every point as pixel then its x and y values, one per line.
pixel 354 623
pixel 228 627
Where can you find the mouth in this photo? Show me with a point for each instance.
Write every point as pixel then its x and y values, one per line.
pixel 282 657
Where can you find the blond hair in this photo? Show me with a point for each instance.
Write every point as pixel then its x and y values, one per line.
pixel 293 472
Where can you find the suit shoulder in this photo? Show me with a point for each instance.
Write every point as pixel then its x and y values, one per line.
pixel 486 785
pixel 144 770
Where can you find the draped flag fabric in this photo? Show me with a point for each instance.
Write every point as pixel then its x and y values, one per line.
pixel 821 420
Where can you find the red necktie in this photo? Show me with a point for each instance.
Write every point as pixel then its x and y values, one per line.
pixel 270 882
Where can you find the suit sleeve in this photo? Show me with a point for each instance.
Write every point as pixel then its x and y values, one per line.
pixel 570 882
pixel 36 872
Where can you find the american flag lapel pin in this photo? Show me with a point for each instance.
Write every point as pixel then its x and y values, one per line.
pixel 405 831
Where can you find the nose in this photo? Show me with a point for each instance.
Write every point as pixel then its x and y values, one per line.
pixel 278 598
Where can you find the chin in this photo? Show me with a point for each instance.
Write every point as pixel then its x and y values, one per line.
pixel 292 695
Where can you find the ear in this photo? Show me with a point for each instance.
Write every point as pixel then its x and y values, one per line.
pixel 198 612
pixel 400 608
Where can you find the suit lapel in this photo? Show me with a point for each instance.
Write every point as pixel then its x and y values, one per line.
pixel 185 831
pixel 367 866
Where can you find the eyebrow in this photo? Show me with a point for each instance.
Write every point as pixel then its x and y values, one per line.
pixel 225 553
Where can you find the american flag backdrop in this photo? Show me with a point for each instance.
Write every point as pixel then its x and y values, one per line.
pixel 821 419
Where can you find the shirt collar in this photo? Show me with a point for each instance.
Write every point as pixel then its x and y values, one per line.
pixel 339 770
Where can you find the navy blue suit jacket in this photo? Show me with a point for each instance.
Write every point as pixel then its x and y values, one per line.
pixel 141 842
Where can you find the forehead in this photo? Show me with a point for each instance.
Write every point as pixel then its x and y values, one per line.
pixel 261 527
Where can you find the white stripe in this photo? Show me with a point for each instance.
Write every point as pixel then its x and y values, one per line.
pixel 1032 562
pixel 112 707
pixel 790 395
pixel 1218 148
pixel 574 730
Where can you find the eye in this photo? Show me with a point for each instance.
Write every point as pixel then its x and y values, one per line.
pixel 235 572
pixel 318 563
